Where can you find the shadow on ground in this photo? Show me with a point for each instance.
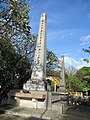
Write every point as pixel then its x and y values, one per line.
pixel 2 112
pixel 11 117
pixel 77 113
pixel 33 118
pixel 6 106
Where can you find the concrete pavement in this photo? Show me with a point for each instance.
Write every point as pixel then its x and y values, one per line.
pixel 47 114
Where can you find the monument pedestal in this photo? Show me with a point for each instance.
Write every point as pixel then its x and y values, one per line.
pixel 34 99
pixel 34 85
pixel 34 92
pixel 62 89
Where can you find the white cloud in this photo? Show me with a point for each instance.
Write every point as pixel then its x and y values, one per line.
pixel 77 63
pixel 61 33
pixel 85 40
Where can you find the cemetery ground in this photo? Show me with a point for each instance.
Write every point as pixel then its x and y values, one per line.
pixel 75 112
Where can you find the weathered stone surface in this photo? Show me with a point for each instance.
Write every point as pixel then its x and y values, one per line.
pixel 39 66
pixel 37 85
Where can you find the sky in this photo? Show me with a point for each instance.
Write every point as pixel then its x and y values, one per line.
pixel 68 28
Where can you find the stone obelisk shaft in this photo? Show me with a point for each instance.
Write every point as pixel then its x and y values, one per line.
pixel 62 81
pixel 37 81
pixel 39 68
pixel 63 72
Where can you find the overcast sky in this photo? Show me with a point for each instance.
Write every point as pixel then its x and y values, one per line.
pixel 68 27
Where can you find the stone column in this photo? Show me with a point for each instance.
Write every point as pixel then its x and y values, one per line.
pixel 62 81
pixel 39 66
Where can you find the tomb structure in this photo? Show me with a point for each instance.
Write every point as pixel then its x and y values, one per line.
pixel 34 93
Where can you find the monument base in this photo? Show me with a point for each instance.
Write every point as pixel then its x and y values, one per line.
pixel 35 85
pixel 61 107
pixel 62 89
pixel 34 99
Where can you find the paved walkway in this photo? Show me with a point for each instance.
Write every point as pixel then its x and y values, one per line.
pixel 29 112
pixel 73 113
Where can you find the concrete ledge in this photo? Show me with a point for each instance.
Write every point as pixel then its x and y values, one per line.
pixel 60 107
pixel 33 94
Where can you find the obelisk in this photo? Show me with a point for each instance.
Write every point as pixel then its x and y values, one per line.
pixel 37 81
pixel 62 81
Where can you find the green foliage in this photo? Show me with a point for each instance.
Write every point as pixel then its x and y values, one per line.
pixel 16 45
pixel 53 64
pixel 14 24
pixel 13 68
pixel 80 80
pixel 54 73
pixel 84 74
pixel 14 18
pixel 74 83
pixel 87 51
pixel 52 61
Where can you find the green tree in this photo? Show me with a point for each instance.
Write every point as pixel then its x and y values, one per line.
pixel 14 18
pixel 15 69
pixel 16 44
pixel 75 84
pixel 80 80
pixel 53 64
pixel 87 51
pixel 84 75
pixel 69 73
pixel 52 61
pixel 14 24
pixel 54 73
